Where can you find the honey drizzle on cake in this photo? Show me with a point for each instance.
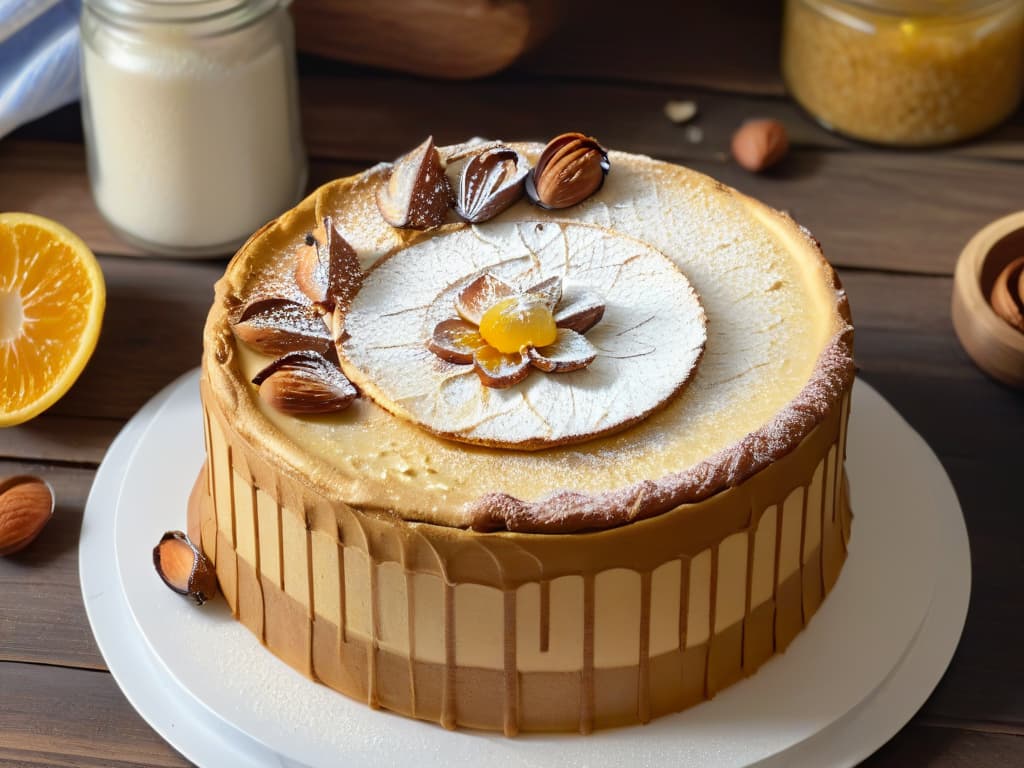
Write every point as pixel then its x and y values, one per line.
pixel 310 607
pixel 410 616
pixel 448 713
pixel 257 565
pixel 510 718
pixel 644 671
pixel 587 675
pixel 748 597
pixel 371 656
pixel 713 610
pixel 545 614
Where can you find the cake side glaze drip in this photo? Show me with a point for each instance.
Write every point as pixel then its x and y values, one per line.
pixel 350 651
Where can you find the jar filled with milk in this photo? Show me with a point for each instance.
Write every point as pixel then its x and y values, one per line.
pixel 191 119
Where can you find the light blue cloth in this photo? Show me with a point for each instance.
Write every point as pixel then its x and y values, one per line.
pixel 38 59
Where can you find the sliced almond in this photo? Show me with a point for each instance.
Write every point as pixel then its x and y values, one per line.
pixel 490 182
pixel 327 267
pixel 570 352
pixel 455 341
pixel 582 313
pixel 480 295
pixel 417 193
pixel 549 290
pixel 498 370
pixel 305 383
pixel 277 326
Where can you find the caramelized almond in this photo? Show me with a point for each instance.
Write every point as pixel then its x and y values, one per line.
pixel 570 352
pixel 327 268
pixel 549 290
pixel 276 326
pixel 582 313
pixel 480 295
pixel 305 383
pixel 455 341
pixel 417 193
pixel 498 370
pixel 490 182
pixel 184 568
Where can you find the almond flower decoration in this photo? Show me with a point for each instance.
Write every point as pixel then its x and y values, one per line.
pixel 504 333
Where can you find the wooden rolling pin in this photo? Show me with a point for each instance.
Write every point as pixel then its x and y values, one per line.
pixel 437 38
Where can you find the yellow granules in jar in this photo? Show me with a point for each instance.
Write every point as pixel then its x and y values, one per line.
pixel 908 72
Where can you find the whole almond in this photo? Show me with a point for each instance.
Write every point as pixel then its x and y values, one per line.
pixel 327 267
pixel 760 144
pixel 305 383
pixel 490 182
pixel 184 568
pixel 416 193
pixel 571 168
pixel 26 506
pixel 274 326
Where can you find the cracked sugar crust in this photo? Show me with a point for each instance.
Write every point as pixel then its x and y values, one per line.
pixel 778 360
pixel 648 342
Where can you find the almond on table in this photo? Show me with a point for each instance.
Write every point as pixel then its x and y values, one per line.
pixel 26 506
pixel 760 144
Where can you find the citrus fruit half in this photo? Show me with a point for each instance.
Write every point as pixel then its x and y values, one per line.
pixel 52 297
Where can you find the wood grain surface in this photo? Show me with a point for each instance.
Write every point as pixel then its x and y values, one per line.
pixel 892 221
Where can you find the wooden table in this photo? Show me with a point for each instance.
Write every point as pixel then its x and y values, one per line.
pixel 893 222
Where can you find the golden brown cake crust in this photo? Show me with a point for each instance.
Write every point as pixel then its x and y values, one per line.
pixel 560 512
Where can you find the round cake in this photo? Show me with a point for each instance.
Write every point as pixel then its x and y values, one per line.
pixel 526 438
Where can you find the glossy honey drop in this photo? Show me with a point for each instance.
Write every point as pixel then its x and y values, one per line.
pixel 517 322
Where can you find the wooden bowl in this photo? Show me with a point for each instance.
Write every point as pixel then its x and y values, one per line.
pixel 994 345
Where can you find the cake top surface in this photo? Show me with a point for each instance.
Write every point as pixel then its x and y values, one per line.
pixel 744 345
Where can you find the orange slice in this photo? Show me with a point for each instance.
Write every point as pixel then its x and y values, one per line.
pixel 51 307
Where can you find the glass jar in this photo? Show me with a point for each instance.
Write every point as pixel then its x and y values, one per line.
pixel 191 119
pixel 905 72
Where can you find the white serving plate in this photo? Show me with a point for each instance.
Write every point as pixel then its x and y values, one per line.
pixel 867 661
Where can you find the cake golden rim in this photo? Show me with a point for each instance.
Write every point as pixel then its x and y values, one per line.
pixel 568 511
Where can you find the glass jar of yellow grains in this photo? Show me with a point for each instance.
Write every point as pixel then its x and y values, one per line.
pixel 905 72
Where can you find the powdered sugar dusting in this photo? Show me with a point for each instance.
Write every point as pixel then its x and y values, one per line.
pixel 647 344
pixel 565 512
pixel 777 358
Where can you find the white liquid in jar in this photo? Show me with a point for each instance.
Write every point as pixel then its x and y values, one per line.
pixel 189 151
